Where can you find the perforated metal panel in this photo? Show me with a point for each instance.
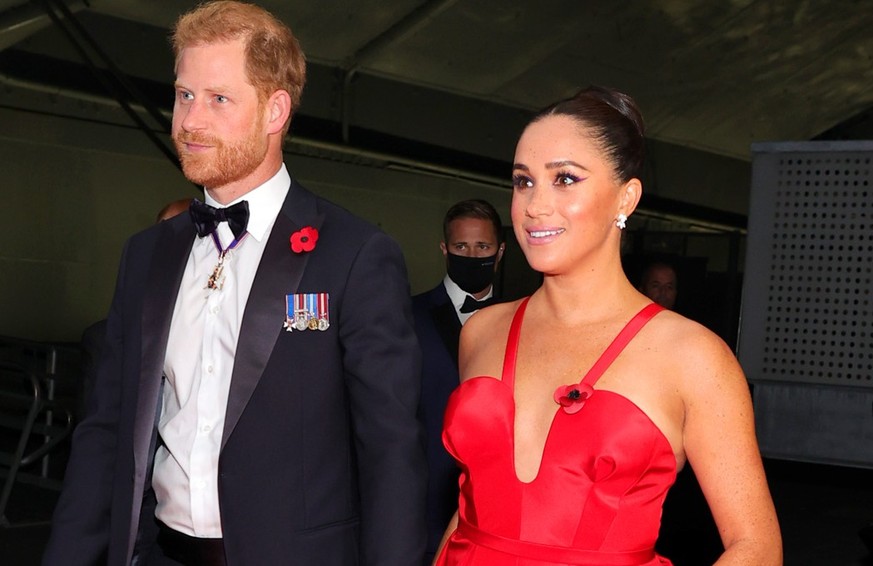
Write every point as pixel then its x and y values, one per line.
pixel 807 315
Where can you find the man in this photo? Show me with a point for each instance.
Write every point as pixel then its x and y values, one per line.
pixel 221 431
pixel 472 248
pixel 173 209
pixel 660 284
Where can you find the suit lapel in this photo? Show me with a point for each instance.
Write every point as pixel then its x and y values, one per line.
pixel 165 275
pixel 445 318
pixel 279 274
pixel 169 257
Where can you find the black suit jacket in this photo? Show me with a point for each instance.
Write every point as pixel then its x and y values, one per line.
pixel 321 459
pixel 438 329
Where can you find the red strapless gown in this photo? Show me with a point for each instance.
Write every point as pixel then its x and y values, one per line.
pixel 597 497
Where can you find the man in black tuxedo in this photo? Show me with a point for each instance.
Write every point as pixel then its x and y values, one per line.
pixel 473 248
pixel 255 402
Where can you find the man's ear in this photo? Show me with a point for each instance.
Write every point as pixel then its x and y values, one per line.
pixel 500 250
pixel 444 249
pixel 278 111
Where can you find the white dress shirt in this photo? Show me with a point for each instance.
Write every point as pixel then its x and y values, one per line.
pixel 199 363
pixel 458 295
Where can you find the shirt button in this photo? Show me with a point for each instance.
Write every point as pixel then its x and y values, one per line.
pixel 215 309
pixel 205 428
pixel 209 369
pixel 201 483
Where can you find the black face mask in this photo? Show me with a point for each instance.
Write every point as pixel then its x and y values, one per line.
pixel 472 274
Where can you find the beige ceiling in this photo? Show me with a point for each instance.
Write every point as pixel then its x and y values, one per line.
pixel 713 75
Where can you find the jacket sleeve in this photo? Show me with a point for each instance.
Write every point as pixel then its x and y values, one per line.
pixel 81 520
pixel 382 364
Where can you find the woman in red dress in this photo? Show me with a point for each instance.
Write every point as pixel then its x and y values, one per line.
pixel 579 404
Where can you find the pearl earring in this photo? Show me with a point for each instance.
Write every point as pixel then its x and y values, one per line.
pixel 621 221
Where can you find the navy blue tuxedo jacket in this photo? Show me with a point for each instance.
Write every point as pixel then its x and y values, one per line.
pixel 321 457
pixel 438 329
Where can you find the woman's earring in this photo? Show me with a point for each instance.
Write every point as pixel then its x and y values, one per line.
pixel 621 221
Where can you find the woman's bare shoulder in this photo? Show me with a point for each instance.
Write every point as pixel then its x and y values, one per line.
pixel 697 355
pixel 484 320
pixel 673 328
pixel 483 339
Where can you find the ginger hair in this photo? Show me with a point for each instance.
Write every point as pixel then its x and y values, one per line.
pixel 274 59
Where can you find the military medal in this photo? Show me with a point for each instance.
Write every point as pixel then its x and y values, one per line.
pixel 307 311
pixel 216 279
pixel 323 316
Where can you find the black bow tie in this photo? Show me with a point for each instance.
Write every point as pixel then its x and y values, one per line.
pixel 472 305
pixel 207 218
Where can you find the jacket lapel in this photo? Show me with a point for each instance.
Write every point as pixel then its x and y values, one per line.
pixel 446 321
pixel 168 261
pixel 279 274
pixel 162 287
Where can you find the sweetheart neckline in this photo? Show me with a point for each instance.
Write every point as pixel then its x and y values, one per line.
pixel 505 387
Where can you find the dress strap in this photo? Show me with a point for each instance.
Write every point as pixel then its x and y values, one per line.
pixel 624 337
pixel 508 376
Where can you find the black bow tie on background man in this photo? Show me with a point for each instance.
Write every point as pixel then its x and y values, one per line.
pixel 472 305
pixel 207 218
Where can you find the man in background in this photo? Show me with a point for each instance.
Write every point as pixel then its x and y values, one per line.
pixel 659 283
pixel 173 209
pixel 472 247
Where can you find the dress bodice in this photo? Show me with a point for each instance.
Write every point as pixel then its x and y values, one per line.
pixel 598 494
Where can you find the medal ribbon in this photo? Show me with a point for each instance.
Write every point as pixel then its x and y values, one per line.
pixel 233 244
pixel 216 280
pixel 322 306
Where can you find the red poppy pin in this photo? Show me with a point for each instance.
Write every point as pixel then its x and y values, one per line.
pixel 572 397
pixel 304 240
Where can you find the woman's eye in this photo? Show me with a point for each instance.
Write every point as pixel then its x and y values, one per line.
pixel 521 182
pixel 566 179
pixel 220 99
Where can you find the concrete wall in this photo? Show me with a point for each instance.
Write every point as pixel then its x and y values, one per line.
pixel 79 179
pixel 74 190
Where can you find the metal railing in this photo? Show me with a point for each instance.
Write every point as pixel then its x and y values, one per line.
pixel 35 420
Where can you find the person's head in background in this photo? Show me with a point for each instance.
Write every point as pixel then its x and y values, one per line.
pixel 472 245
pixel 173 209
pixel 659 283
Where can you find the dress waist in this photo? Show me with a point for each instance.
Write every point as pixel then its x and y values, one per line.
pixel 549 553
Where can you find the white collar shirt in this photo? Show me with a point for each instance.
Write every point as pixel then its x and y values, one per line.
pixel 199 364
pixel 458 295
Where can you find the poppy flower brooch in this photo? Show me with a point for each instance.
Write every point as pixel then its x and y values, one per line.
pixel 304 240
pixel 571 398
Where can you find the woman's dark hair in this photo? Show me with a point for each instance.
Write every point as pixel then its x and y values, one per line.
pixel 614 122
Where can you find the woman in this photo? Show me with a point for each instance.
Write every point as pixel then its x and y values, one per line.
pixel 566 465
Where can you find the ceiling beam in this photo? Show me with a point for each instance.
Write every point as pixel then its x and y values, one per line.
pixel 20 22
